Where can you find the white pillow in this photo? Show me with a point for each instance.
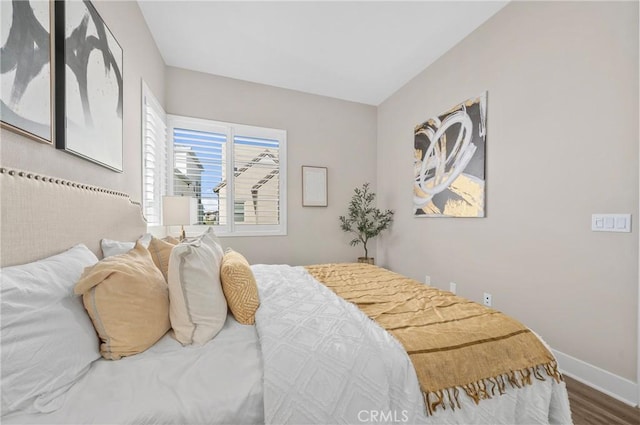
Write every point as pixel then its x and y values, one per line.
pixel 111 247
pixel 197 306
pixel 48 341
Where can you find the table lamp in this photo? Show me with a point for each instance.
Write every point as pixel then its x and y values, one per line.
pixel 177 211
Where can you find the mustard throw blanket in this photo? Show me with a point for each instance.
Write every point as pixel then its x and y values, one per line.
pixel 454 344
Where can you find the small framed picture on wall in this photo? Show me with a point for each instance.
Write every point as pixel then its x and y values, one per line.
pixel 314 186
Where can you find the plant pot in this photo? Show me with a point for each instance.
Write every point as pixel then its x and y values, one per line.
pixel 367 260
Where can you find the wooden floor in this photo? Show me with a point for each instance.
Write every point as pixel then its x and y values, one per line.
pixel 590 407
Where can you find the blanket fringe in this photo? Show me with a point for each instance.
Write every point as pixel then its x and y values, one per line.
pixel 488 387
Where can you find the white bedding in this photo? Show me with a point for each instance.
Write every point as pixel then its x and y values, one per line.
pixel 326 362
pixel 322 361
pixel 218 383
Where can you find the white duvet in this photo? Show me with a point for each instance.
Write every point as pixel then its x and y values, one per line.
pixel 326 362
pixel 311 358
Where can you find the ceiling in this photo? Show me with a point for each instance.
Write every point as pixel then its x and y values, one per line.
pixel 361 51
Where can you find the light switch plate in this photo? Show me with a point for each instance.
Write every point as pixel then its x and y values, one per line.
pixel 611 222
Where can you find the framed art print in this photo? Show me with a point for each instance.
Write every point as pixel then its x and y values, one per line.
pixel 25 94
pixel 89 85
pixel 314 186
pixel 449 162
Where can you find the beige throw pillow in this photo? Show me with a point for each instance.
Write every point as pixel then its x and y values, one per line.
pixel 198 308
pixel 128 302
pixel 239 286
pixel 160 250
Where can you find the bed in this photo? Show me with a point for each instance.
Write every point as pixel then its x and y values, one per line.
pixel 311 357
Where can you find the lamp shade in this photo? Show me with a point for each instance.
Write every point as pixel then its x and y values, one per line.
pixel 177 210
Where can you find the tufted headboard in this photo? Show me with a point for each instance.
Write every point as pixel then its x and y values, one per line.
pixel 41 216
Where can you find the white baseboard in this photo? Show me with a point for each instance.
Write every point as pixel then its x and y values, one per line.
pixel 606 382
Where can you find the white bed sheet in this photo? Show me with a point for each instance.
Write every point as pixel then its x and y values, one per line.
pixel 169 384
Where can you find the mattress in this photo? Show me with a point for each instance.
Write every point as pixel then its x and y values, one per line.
pixel 218 383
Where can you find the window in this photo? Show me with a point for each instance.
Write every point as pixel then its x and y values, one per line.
pixel 237 173
pixel 154 157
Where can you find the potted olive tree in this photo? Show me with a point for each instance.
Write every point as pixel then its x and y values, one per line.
pixel 364 220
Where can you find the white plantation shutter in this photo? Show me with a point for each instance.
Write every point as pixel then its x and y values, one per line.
pixel 236 172
pixel 257 180
pixel 154 157
pixel 198 165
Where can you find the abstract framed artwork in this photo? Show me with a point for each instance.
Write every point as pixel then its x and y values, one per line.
pixel 25 65
pixel 314 186
pixel 449 162
pixel 89 85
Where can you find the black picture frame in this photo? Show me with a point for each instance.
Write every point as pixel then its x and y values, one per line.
pixel 89 123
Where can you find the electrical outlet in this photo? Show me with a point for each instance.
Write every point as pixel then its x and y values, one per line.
pixel 427 279
pixel 487 299
pixel 452 287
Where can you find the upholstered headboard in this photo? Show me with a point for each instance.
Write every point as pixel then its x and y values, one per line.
pixel 41 216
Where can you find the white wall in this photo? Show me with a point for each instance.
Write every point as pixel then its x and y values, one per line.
pixel 142 60
pixel 321 131
pixel 562 143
